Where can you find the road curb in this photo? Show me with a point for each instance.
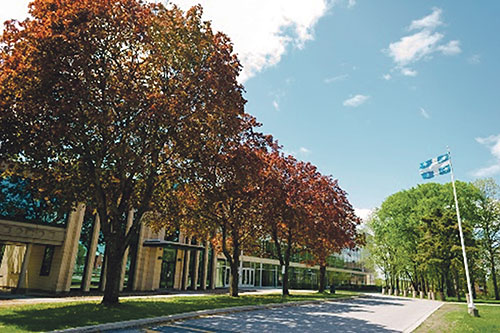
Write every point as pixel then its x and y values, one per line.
pixel 137 323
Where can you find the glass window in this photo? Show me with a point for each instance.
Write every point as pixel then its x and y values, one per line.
pixel 47 260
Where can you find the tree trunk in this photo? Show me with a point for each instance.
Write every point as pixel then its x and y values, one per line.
pixel 457 284
pixel 235 275
pixel 494 276
pixel 286 264
pixel 450 289
pixel 134 245
pixel 322 278
pixel 472 284
pixel 235 266
pixel 113 270
pixel 285 290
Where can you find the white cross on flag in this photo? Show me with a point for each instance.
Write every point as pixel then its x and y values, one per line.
pixel 436 166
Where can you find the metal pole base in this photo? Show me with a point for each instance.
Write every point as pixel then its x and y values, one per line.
pixel 474 312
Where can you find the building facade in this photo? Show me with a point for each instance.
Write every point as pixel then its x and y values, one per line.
pixel 57 254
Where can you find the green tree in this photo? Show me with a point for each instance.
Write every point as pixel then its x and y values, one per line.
pixel 488 225
pixel 411 223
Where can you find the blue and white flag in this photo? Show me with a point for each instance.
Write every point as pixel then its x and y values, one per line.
pixel 436 166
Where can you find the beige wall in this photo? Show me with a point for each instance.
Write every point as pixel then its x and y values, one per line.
pixel 33 278
pixel 10 267
pixel 63 260
pixel 148 265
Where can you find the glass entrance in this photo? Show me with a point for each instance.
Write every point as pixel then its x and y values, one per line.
pixel 168 268
pixel 247 277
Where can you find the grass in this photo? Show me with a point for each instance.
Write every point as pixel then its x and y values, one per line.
pixel 454 318
pixel 57 316
pixel 476 300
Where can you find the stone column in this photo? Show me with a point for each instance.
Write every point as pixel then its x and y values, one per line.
pixel 421 294
pixel 185 268
pixel 89 265
pixel 194 279
pixel 104 268
pixel 205 268
pixel 69 248
pixel 139 260
pixel 213 278
pixel 130 219
pixel 22 282
pixel 414 294
pixel 260 283
pixel 405 293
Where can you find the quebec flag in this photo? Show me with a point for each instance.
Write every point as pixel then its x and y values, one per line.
pixel 436 166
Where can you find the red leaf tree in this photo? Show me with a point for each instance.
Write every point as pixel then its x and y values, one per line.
pixel 305 211
pixel 333 224
pixel 108 102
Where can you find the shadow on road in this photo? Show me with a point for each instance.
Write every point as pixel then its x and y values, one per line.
pixel 324 317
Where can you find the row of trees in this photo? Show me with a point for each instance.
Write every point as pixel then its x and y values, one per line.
pixel 122 105
pixel 415 237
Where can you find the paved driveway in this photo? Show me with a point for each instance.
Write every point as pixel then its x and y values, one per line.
pixel 371 313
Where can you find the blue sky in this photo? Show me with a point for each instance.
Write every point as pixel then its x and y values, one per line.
pixel 375 148
pixel 366 90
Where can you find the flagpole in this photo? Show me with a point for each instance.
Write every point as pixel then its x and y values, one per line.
pixel 471 308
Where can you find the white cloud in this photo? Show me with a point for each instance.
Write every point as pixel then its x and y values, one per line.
pixel 431 21
pixel 304 150
pixel 13 10
pixel 351 3
pixel 422 44
pixel 452 48
pixel 301 152
pixel 276 105
pixel 487 171
pixel 474 59
pixel 336 78
pixel 387 77
pixel 262 30
pixel 363 213
pixel 424 113
pixel 408 71
pixel 412 48
pixel 356 100
pixel 493 144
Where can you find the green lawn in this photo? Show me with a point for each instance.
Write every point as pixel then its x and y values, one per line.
pixel 476 300
pixel 56 316
pixel 454 318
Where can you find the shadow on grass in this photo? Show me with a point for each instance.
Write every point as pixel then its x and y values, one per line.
pixel 57 316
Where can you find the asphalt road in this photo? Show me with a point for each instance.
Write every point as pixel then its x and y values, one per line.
pixel 372 313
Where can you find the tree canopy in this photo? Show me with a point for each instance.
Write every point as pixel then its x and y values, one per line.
pixel 105 101
pixel 415 236
pixel 129 106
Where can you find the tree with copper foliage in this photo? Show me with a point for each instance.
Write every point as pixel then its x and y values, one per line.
pixel 333 223
pixel 287 192
pixel 225 201
pixel 108 102
pixel 305 211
